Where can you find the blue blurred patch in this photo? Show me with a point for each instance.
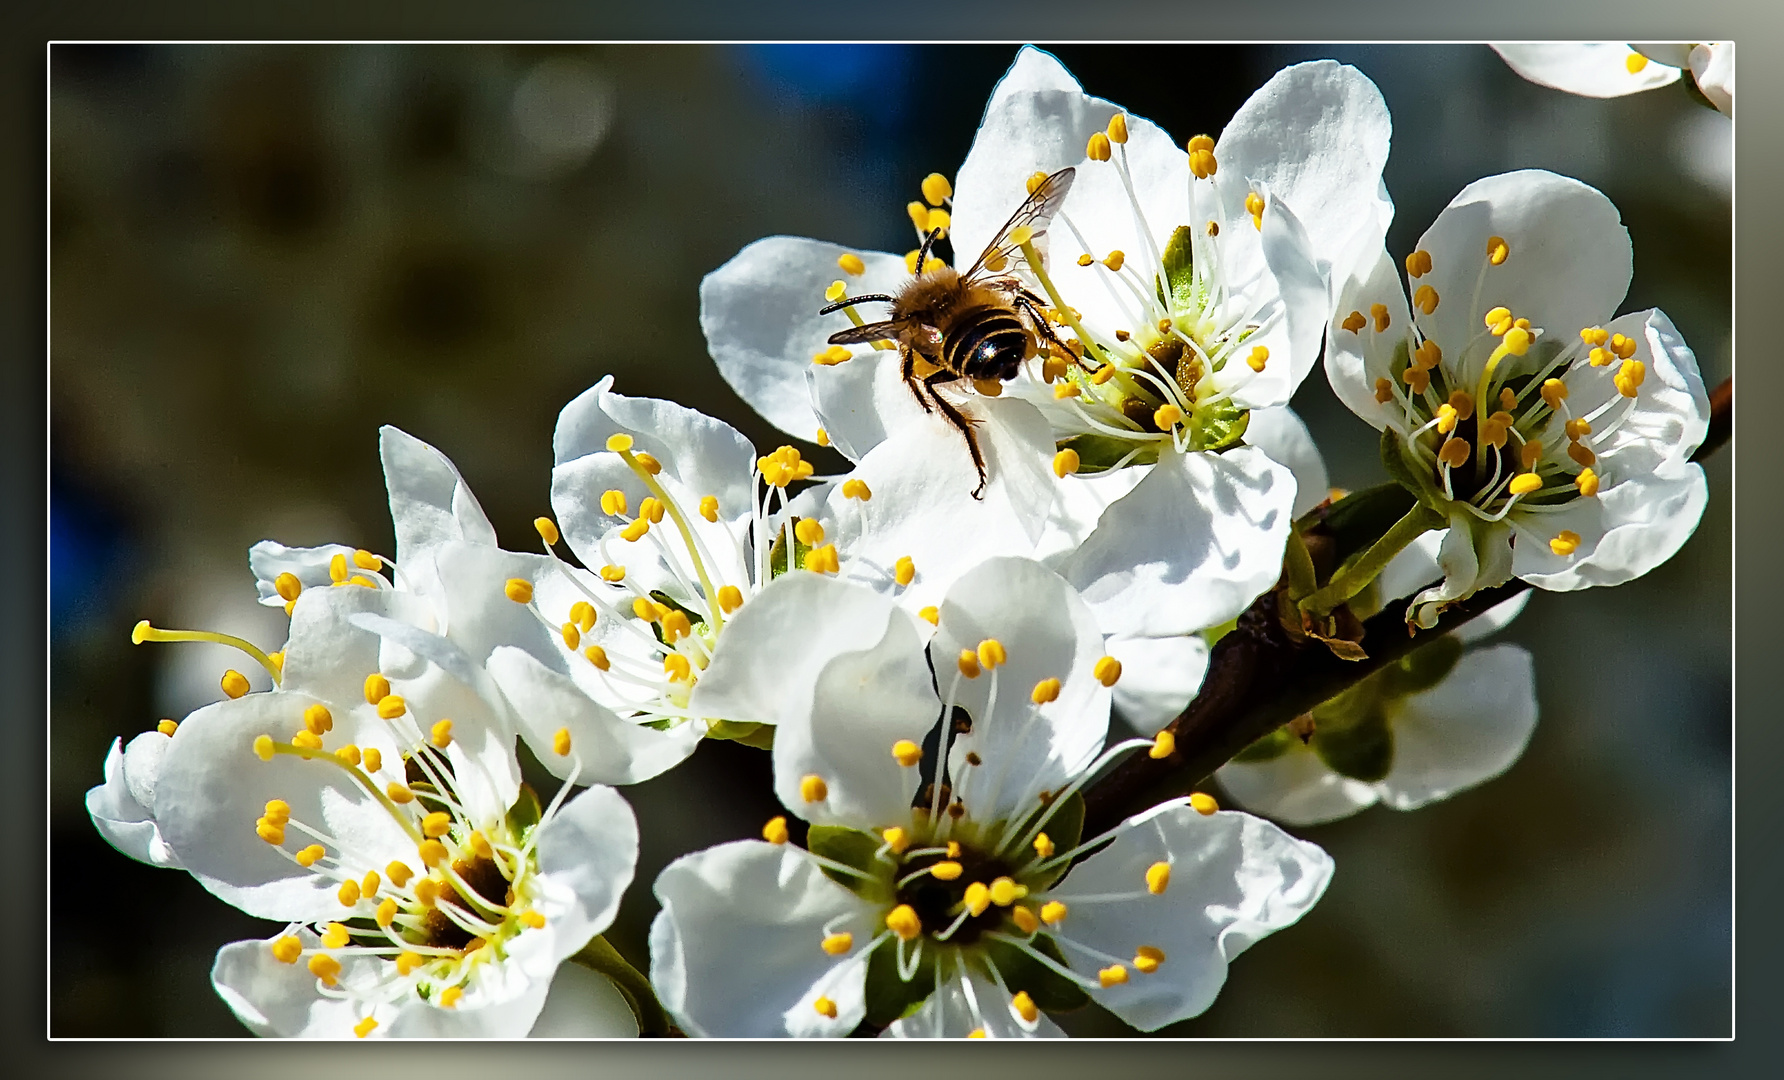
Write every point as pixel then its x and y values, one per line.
pixel 88 550
pixel 875 81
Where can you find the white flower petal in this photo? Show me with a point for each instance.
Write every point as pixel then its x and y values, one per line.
pixel 967 1004
pixel 612 750
pixel 1669 416
pixel 858 402
pixel 587 852
pixel 430 504
pixel 1712 65
pixel 1567 265
pixel 1296 788
pixel 119 813
pixel 1624 532
pixel 1047 633
pixel 737 942
pixel 1465 730
pixel 1317 134
pixel 760 316
pixel 326 655
pixel 1279 433
pixel 1298 290
pixel 1234 879
pixel 1038 120
pixel 269 558
pixel 1355 359
pixel 1158 677
pixel 1474 555
pixel 841 672
pixel 583 1005
pixel 280 1000
pixel 1597 69
pixel 1191 547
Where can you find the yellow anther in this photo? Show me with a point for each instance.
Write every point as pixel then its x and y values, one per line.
pixel 709 504
pixel 427 892
pixel 839 943
pixel 1047 690
pixel 1508 398
pixel 398 873
pixel 1594 335
pixel 1005 891
pixel 1446 419
pixel 407 962
pixel 1118 128
pixel 1497 250
pixel 325 967
pixel 335 936
pixel 677 667
pixel 1577 428
pixel 1525 484
pixel 1379 312
pixel 1086 259
pixel 1213 228
pixel 902 920
pixel 1629 377
pixel 919 215
pixel 809 532
pixel 1254 205
pixel 953 849
pixel 1024 1005
pixel 1200 142
pixel 645 609
pixel 1025 919
pixel 306 739
pixel 1202 803
pixel 572 635
pixel 856 488
pixel 896 839
pixel 1164 744
pixel 1427 355
pixel 613 575
pixel 1098 148
pixel 1425 299
pixel 613 501
pixel 823 560
pixel 318 719
pixel 1355 321
pixel 1035 180
pixel 992 654
pixel 619 442
pixel 1103 374
pixel 1053 912
pixel 390 706
pixel 650 507
pixel 1554 391
pixel 931 614
pixel 1517 341
pixel 946 870
pixel 989 387
pixel 432 852
pixel 969 663
pixel 1202 164
pixel 308 856
pixel 287 586
pixel 977 898
pixel 1043 846
pixel 167 727
pixel 1107 671
pixel 1587 482
pixel 936 189
pixel 1115 260
pixel 1113 975
pixel 348 894
pixel 366 1026
pixel 519 590
pixel 1258 358
pixel 635 531
pixel 361 579
pixel 1498 320
pixel 1384 391
pixel 1581 454
pixel 441 734
pixel 436 824
pixel 938 219
pixel 1565 544
pixel 234 683
pixel 906 752
pixel 676 626
pixel 1066 462
pixel 976 1033
pixel 1418 264
pixel 1063 390
pixel 337 568
pixel 836 290
pixel 831 356
pixel 287 949
pixel 1158 878
pixel 1454 453
pixel 851 263
pixel 1147 959
pixel 399 793
pixel 813 789
pixel 825 1007
pixel 1530 455
pixel 775 832
pixel 1053 368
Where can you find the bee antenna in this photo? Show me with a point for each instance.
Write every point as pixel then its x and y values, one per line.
pixel 923 252
pixel 871 298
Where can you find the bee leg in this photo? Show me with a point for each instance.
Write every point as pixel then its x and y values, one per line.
pixel 1026 301
pixel 956 418
pixel 908 368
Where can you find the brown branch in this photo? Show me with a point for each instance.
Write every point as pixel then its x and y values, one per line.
pixel 1260 677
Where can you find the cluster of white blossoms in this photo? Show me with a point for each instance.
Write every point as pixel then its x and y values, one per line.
pixel 930 644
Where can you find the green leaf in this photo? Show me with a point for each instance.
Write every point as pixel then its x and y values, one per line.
pixel 1268 748
pixel 890 998
pixel 1097 453
pixel 851 847
pixel 1065 828
pixel 760 736
pixel 777 552
pixel 1356 742
pixel 523 817
pixel 1049 989
pixel 1179 265
pixel 661 597
pixel 1359 519
pixel 1219 426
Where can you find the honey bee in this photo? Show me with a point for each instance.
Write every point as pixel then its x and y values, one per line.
pixel 978 325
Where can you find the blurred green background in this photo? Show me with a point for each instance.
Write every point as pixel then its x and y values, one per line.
pixel 260 254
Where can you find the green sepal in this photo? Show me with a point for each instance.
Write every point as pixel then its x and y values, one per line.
pixel 1065 828
pixel 523 817
pixel 890 998
pixel 1099 453
pixel 777 552
pixel 851 847
pixel 1220 426
pixel 760 736
pixel 1213 634
pixel 1351 734
pixel 1401 464
pixel 1050 990
pixel 1179 266
pixel 1268 748
pixel 1359 519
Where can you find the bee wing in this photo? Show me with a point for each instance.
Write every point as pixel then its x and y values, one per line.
pixel 1001 256
pixel 877 331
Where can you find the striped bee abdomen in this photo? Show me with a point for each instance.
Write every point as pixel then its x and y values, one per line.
pixel 986 343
